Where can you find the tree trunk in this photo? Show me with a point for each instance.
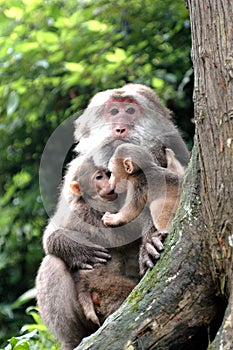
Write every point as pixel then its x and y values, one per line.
pixel 212 37
pixel 180 304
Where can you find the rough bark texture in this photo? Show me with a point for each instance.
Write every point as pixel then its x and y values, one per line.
pixel 175 305
pixel 212 33
pixel 181 303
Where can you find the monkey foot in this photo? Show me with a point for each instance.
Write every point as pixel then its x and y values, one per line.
pixel 150 250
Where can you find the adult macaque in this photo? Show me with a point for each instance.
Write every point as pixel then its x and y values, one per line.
pixel 130 114
pixel 146 183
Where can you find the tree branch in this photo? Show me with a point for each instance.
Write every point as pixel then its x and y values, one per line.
pixel 174 303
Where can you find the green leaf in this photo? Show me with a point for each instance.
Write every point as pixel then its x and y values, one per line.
pixel 22 179
pixel 14 12
pixel 47 37
pixel 27 47
pixel 118 56
pixel 12 103
pixel 74 67
pixel 157 83
pixel 96 26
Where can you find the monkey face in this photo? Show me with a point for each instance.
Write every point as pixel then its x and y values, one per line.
pixel 102 187
pixel 121 114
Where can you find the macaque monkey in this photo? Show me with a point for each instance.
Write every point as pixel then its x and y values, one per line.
pixel 131 114
pixel 92 295
pixel 101 292
pixel 146 183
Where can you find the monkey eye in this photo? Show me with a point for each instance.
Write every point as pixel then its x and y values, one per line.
pixel 114 111
pixel 99 176
pixel 130 110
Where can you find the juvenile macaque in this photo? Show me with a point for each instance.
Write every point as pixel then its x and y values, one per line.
pixel 131 114
pixel 146 183
pixel 101 292
pixel 91 295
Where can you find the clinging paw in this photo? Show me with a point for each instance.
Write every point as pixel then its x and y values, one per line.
pixel 108 219
pixel 150 250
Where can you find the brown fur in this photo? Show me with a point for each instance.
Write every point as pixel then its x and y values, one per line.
pixel 148 183
pixel 101 292
pixel 68 239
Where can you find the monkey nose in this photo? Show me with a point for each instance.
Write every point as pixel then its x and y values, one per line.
pixel 120 131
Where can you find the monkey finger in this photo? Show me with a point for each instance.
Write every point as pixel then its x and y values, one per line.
pixel 84 266
pixel 157 243
pixel 99 260
pixel 152 251
pixel 96 247
pixel 145 263
pixel 102 255
pixel 148 262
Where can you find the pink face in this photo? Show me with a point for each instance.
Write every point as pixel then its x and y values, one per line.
pixel 121 114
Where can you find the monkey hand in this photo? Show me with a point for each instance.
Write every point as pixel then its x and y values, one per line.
pixel 150 250
pixel 111 219
pixel 75 250
pixel 90 256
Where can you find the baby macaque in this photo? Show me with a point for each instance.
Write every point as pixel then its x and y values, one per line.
pixel 133 169
pixel 101 292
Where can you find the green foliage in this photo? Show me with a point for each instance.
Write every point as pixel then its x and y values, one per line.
pixel 35 336
pixel 55 55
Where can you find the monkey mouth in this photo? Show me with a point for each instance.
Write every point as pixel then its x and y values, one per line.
pixel 110 196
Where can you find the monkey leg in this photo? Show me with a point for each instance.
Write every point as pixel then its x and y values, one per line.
pixel 163 211
pixel 85 297
pixel 58 303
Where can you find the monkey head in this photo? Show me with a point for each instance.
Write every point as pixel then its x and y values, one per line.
pixel 91 182
pixel 126 162
pixel 132 112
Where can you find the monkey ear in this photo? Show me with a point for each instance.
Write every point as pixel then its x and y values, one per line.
pixel 74 185
pixel 128 165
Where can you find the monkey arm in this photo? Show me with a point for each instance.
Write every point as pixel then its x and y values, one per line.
pixel 128 213
pixel 75 250
pixel 135 201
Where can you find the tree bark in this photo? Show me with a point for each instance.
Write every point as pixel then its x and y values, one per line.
pixel 180 304
pixel 212 34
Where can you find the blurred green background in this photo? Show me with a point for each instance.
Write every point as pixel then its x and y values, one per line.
pixel 54 56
